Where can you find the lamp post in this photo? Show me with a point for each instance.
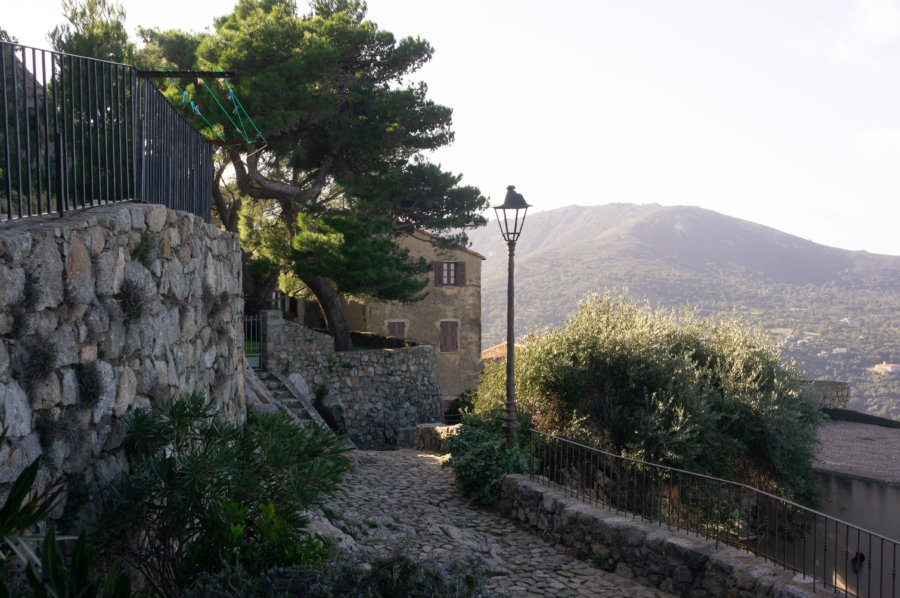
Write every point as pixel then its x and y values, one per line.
pixel 511 218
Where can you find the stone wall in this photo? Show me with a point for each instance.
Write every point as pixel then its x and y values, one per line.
pixel 383 390
pixel 103 311
pixel 674 562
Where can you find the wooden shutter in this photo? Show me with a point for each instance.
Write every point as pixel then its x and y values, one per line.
pixel 449 336
pixel 461 274
pixel 439 274
pixel 397 329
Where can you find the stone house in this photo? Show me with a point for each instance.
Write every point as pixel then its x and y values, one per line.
pixel 448 318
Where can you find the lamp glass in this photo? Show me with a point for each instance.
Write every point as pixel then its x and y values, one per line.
pixel 511 221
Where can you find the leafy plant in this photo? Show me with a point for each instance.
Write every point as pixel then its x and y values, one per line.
pixel 90 383
pixel 204 492
pixel 21 511
pixel 144 250
pixel 53 578
pixel 131 300
pixel 37 359
pixel 47 575
pixel 461 404
pixel 480 455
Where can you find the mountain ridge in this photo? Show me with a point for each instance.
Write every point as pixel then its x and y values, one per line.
pixel 677 255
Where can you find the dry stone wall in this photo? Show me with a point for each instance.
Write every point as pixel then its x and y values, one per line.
pixel 383 390
pixel 103 311
pixel 676 563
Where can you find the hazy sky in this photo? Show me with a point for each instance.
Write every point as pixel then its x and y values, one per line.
pixel 783 112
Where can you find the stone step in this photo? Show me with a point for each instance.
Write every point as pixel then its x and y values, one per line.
pixel 284 396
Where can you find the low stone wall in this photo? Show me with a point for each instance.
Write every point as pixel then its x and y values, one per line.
pixel 101 312
pixel 675 563
pixel 383 390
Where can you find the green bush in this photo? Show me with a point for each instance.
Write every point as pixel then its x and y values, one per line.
pixel 52 578
pixel 480 455
pixel 461 404
pixel 47 574
pixel 203 492
pixel 145 249
pixel 705 395
pixel 131 301
pixel 348 575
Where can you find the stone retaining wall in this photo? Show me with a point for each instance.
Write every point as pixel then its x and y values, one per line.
pixel 383 390
pixel 101 312
pixel 674 562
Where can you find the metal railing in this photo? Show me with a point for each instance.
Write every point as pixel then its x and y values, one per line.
pixel 78 132
pixel 253 341
pixel 832 553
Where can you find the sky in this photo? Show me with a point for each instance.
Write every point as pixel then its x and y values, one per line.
pixel 785 113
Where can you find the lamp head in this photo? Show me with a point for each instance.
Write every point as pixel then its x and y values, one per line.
pixel 511 214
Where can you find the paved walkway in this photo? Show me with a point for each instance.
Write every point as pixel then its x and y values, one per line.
pixel 404 499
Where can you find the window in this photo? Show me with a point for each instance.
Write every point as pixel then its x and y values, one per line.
pixel 397 329
pixel 449 274
pixel 449 336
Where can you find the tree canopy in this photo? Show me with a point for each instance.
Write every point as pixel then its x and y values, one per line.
pixel 341 170
pixel 95 29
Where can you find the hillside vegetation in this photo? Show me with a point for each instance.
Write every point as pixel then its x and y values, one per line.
pixel 814 300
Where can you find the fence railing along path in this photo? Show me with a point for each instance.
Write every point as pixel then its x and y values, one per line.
pixel 77 132
pixel 835 554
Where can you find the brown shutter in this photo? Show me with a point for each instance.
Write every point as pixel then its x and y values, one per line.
pixel 449 336
pixel 454 336
pixel 439 274
pixel 444 336
pixel 461 275
pixel 397 329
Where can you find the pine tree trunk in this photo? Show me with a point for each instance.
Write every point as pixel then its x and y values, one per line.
pixel 333 310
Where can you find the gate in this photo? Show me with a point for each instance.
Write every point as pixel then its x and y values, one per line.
pixel 253 341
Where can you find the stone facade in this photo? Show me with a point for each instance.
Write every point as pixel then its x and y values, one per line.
pixel 674 562
pixel 103 311
pixel 383 390
pixel 453 308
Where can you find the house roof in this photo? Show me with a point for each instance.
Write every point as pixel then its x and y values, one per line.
pixel 425 233
pixel 859 450
pixel 496 352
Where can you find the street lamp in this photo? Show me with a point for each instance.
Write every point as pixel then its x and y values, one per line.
pixel 511 217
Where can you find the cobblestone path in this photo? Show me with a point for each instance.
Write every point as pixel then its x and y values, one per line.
pixel 404 499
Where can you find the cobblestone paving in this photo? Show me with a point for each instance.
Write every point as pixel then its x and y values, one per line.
pixel 404 499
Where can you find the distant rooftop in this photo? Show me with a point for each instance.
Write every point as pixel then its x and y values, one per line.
pixel 860 451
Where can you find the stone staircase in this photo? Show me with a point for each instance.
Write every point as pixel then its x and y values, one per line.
pixel 285 398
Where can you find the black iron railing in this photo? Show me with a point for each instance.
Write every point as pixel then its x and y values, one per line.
pixel 78 132
pixel 833 554
pixel 254 341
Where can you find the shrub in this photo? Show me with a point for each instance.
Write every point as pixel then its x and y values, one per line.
pixel 204 492
pixel 131 301
pixel 461 404
pixel 47 575
pixel 480 455
pixel 706 395
pixel 349 575
pixel 145 249
pixel 90 382
pixel 36 362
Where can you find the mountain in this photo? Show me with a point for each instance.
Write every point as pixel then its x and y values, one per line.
pixel 816 301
